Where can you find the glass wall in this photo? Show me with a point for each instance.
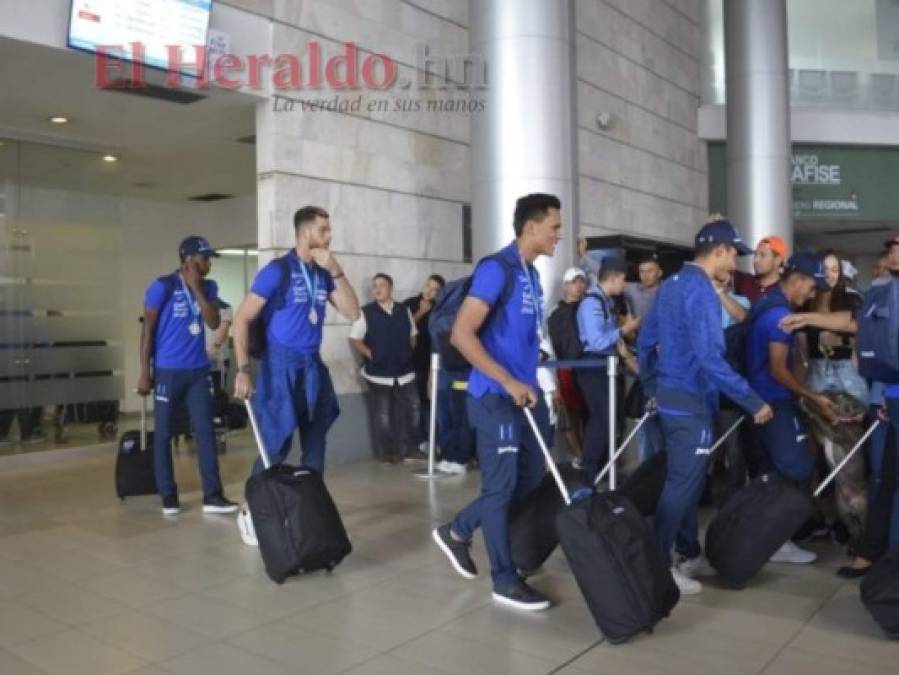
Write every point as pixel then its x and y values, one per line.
pixel 61 343
pixel 844 54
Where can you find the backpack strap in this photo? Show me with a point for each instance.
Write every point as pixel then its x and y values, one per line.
pixel 283 265
pixel 602 303
pixel 168 287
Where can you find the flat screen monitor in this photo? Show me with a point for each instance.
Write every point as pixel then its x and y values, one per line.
pixel 155 24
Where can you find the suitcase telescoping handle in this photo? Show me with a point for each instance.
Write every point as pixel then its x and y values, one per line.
pixel 550 463
pixel 263 453
pixel 839 467
pixel 636 428
pixel 622 448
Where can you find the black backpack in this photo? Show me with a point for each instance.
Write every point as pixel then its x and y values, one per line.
pixel 446 307
pixel 257 341
pixel 564 333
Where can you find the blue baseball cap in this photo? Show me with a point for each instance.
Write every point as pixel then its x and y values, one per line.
pixel 810 265
pixel 723 232
pixel 194 245
pixel 613 263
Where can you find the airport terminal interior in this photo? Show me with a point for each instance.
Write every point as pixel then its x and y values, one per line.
pixel 416 124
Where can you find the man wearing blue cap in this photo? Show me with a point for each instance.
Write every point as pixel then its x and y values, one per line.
pixel 600 334
pixel 683 369
pixel 175 308
pixel 782 442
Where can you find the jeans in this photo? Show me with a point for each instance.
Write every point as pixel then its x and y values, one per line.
pixel 512 466
pixel 594 385
pixel 394 411
pixel 172 388
pixel 841 375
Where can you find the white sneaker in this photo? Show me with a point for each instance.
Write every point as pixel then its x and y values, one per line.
pixel 452 467
pixel 696 567
pixel 686 585
pixel 245 525
pixel 791 553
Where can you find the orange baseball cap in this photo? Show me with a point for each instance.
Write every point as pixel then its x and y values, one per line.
pixel 776 244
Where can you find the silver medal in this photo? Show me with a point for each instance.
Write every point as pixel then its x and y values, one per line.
pixel 313 316
pixel 194 328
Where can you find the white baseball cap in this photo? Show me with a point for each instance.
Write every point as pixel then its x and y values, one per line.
pixel 573 273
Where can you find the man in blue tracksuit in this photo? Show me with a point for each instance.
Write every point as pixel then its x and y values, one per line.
pixel 599 334
pixel 782 443
pixel 497 331
pixel 293 387
pixel 682 367
pixel 175 366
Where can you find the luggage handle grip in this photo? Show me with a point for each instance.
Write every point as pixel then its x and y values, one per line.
pixel 550 463
pixel 849 455
pixel 266 462
pixel 622 448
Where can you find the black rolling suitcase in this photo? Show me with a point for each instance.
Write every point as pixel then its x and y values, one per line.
pixel 296 522
pixel 756 521
pixel 134 462
pixel 880 593
pixel 644 486
pixel 753 524
pixel 532 524
pixel 614 558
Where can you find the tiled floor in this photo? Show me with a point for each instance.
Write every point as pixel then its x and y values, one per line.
pixel 90 585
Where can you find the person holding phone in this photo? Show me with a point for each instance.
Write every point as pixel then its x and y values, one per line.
pixel 175 368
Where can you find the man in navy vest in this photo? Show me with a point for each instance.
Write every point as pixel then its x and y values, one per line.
pixel 384 336
pixel 682 368
pixel 497 331
pixel 175 309
pixel 293 386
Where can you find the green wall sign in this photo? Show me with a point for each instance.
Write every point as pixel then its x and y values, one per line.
pixel 829 182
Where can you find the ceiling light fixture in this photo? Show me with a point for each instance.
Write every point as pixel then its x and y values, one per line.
pixel 59 119
pixel 110 159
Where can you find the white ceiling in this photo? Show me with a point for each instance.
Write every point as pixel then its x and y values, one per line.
pixel 849 237
pixel 167 151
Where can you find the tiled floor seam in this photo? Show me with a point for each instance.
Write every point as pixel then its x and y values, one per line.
pixel 795 635
pixel 576 657
pixel 417 637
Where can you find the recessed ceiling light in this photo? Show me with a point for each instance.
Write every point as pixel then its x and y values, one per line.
pixel 59 119
pixel 110 158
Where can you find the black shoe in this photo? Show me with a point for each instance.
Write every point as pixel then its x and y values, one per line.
pixel 170 505
pixel 848 572
pixel 456 551
pixel 218 504
pixel 521 596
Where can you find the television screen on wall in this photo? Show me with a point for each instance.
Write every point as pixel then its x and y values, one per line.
pixel 154 25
